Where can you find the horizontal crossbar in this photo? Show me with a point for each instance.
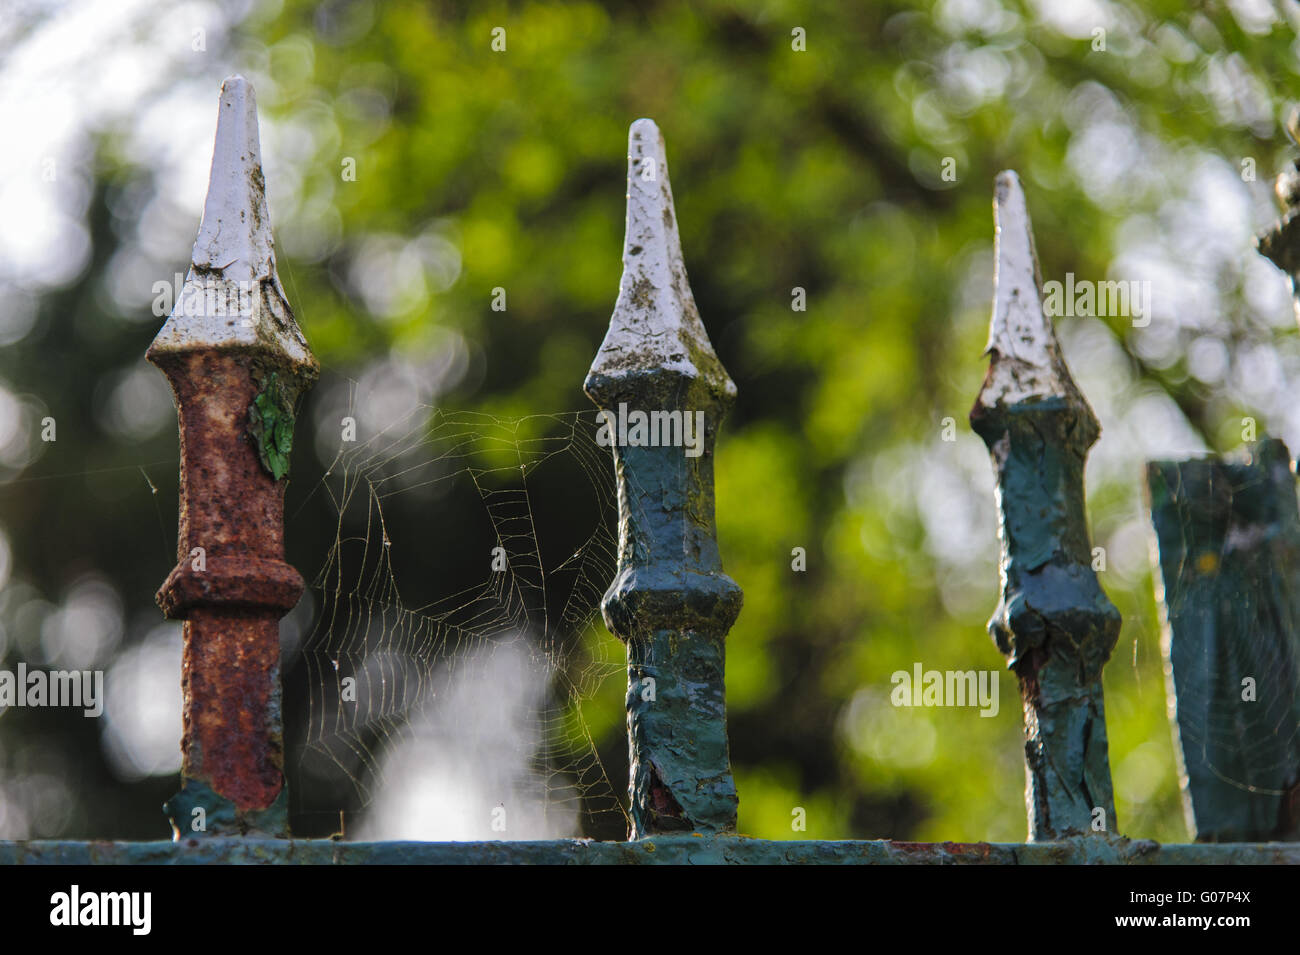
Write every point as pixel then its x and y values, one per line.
pixel 661 850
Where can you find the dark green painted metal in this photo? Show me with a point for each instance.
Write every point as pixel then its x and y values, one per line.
pixel 659 850
pixel 1228 532
pixel 672 605
pixel 670 601
pixel 1054 624
pixel 220 816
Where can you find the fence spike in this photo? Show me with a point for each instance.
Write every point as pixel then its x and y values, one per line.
pixel 237 364
pixel 670 601
pixel 233 263
pixel 1054 624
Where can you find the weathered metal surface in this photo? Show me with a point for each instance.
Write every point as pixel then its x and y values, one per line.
pixel 676 849
pixel 670 602
pixel 1054 624
pixel 1281 243
pixel 231 333
pixel 233 263
pixel 1228 533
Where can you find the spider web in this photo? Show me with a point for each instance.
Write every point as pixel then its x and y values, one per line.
pixel 458 643
pixel 1229 553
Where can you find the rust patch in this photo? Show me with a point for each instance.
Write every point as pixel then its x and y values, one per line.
pixel 231 583
pixel 230 685
pixel 662 800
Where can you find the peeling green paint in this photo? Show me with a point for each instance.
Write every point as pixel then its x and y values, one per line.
pixel 681 777
pixel 1055 625
pixel 672 605
pixel 220 816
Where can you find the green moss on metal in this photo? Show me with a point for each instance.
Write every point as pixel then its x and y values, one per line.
pixel 270 423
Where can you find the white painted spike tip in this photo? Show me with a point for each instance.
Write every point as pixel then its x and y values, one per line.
pixel 656 324
pixel 1026 358
pixel 235 234
pixel 232 296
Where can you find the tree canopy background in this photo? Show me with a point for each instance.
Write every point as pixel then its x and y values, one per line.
pixel 1146 135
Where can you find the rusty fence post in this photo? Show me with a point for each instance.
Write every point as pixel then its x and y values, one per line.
pixel 1054 624
pixel 237 364
pixel 663 394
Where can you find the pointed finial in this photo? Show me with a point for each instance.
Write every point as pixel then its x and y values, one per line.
pixel 1054 623
pixel 656 326
pixel 658 382
pixel 235 234
pixel 1026 362
pixel 238 366
pixel 232 296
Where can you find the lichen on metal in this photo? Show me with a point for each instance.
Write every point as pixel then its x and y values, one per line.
pixel 1054 624
pixel 656 324
pixel 1228 533
pixel 237 364
pixel 670 601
